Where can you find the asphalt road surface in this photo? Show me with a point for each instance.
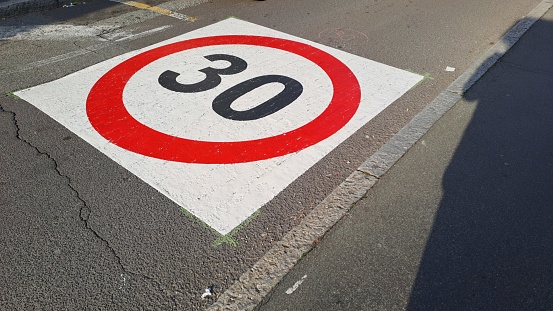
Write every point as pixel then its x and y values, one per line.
pixel 462 221
pixel 80 230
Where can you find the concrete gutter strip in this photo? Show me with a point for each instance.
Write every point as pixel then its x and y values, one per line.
pixel 477 70
pixel 392 151
pixel 255 284
pixel 397 146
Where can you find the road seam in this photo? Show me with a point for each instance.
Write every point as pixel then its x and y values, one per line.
pixel 256 283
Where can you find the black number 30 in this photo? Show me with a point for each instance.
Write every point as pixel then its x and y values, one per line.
pixel 222 103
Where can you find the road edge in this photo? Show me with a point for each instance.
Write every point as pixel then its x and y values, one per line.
pixel 258 281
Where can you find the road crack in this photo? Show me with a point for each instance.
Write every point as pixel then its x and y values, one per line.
pixel 85 212
pixel 368 173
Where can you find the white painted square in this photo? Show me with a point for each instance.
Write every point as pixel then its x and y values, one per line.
pixel 222 195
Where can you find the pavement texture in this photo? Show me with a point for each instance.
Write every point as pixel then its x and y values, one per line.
pixel 10 8
pixel 463 221
pixel 81 232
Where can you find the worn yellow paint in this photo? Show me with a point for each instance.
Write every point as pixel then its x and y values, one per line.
pixel 156 9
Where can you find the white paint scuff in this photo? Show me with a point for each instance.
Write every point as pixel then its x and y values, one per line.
pixel 296 285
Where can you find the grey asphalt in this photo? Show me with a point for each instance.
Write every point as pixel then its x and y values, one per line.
pixel 10 8
pixel 464 220
pixel 80 232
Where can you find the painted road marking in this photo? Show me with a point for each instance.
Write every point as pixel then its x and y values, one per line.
pixel 156 9
pixel 109 116
pixel 225 117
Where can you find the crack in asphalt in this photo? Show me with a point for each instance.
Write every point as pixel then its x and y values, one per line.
pixel 84 214
pixel 368 173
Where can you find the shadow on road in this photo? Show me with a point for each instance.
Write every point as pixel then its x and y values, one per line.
pixel 491 246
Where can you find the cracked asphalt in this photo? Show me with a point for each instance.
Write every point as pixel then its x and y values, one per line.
pixel 80 232
pixel 58 240
pixel 63 245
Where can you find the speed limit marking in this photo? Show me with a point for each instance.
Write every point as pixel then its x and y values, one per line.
pixel 225 117
pixel 107 113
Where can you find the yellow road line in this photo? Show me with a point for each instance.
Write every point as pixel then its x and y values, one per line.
pixel 156 9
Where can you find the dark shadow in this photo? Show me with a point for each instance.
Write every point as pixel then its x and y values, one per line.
pixel 491 247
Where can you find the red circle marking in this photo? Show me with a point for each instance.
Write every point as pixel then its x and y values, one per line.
pixel 108 115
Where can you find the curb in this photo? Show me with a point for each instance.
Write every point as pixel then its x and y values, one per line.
pixel 258 281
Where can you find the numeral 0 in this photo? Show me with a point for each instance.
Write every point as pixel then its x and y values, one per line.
pixel 222 103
